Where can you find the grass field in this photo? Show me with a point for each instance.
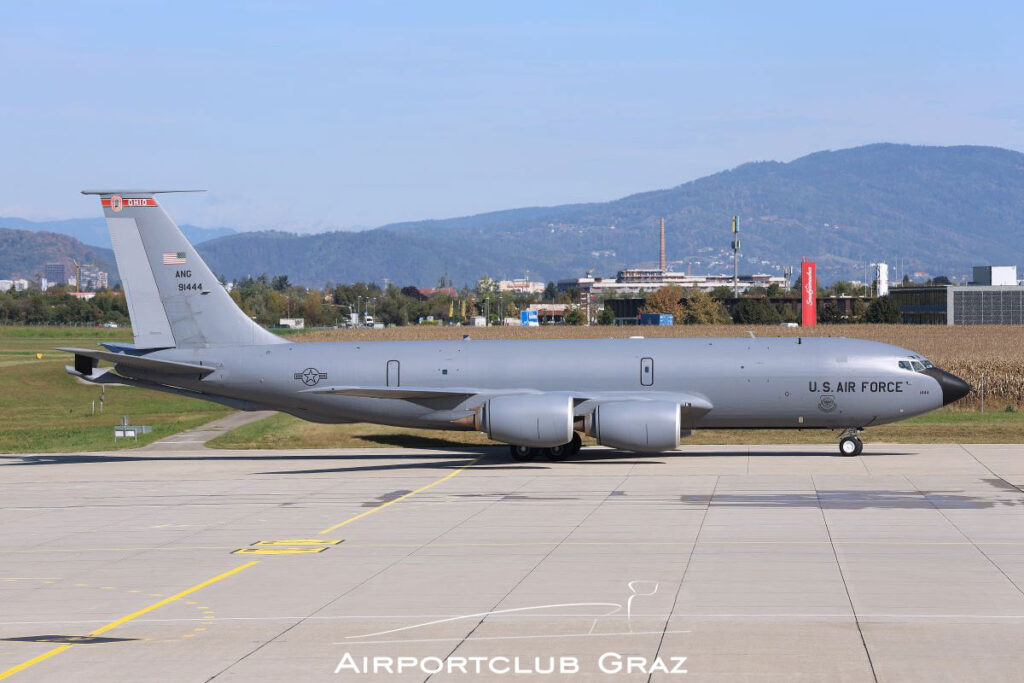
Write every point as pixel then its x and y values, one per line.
pixel 45 410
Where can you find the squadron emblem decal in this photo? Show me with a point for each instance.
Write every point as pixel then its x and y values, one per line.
pixel 116 203
pixel 310 376
pixel 827 403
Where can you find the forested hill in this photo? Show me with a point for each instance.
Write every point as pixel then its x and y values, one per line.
pixel 24 254
pixel 940 209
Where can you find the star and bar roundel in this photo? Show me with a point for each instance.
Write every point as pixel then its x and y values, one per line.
pixel 310 376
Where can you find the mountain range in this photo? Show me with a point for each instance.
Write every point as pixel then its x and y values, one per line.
pixel 935 209
pixel 93 231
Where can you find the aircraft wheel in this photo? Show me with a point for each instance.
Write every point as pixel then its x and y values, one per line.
pixel 576 444
pixel 523 453
pixel 850 446
pixel 557 453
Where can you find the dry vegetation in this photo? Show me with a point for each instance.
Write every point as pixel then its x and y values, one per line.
pixel 969 352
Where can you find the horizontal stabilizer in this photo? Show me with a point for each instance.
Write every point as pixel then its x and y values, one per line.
pixel 167 367
pixel 132 349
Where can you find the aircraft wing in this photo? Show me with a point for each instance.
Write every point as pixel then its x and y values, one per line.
pixel 585 401
pixel 169 367
pixel 407 392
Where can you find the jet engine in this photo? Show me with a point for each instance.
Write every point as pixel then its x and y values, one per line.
pixel 536 420
pixel 644 426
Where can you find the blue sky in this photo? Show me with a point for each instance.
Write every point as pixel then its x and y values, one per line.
pixel 307 116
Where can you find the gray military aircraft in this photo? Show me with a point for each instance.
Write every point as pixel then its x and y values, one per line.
pixel 632 394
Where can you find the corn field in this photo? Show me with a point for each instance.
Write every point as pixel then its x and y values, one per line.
pixel 993 351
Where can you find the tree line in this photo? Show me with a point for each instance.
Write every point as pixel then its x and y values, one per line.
pixel 269 299
pixel 57 307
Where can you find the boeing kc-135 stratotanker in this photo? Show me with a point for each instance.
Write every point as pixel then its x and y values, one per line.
pixel 537 396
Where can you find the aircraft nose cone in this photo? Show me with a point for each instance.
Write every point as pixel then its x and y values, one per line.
pixel 953 388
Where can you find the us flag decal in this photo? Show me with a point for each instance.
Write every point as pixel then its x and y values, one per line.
pixel 174 258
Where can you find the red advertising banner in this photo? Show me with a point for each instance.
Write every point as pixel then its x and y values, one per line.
pixel 809 294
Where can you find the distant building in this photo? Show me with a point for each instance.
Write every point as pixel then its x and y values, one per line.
pixel 20 285
pixel 431 291
pixel 522 286
pixel 93 278
pixel 960 305
pixel 661 278
pixel 547 313
pixel 634 281
pixel 995 276
pixel 83 295
pixel 881 278
pixel 293 323
pixel 56 273
pixel 6 285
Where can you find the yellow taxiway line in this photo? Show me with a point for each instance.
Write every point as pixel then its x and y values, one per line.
pixel 114 624
pixel 401 498
pixel 125 619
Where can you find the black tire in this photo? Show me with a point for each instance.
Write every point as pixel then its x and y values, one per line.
pixel 557 453
pixel 850 446
pixel 522 453
pixel 576 444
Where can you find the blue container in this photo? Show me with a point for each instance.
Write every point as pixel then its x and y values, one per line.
pixel 656 319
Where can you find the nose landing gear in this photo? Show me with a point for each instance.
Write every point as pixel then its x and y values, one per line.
pixel 850 443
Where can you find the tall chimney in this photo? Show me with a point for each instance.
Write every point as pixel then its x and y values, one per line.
pixel 662 261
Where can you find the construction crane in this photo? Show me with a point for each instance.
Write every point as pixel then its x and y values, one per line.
pixel 78 276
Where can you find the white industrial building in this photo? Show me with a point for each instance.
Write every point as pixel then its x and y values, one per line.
pixel 522 286
pixel 19 285
pixel 634 281
pixel 995 276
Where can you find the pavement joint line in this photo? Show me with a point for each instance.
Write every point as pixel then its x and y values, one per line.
pixel 533 569
pixel 686 567
pixel 125 619
pixel 977 546
pixel 846 586
pixel 810 616
pixel 403 497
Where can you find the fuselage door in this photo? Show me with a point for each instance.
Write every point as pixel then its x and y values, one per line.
pixel 393 373
pixel 647 372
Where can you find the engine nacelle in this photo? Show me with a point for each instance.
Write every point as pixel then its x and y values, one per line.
pixel 537 420
pixel 645 426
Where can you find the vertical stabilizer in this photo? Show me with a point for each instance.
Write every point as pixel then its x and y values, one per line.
pixel 174 299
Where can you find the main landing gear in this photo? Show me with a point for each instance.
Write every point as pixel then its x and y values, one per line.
pixel 850 443
pixel 555 453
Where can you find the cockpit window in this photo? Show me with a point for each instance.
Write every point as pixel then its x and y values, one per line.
pixel 927 364
pixel 905 364
pixel 918 367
